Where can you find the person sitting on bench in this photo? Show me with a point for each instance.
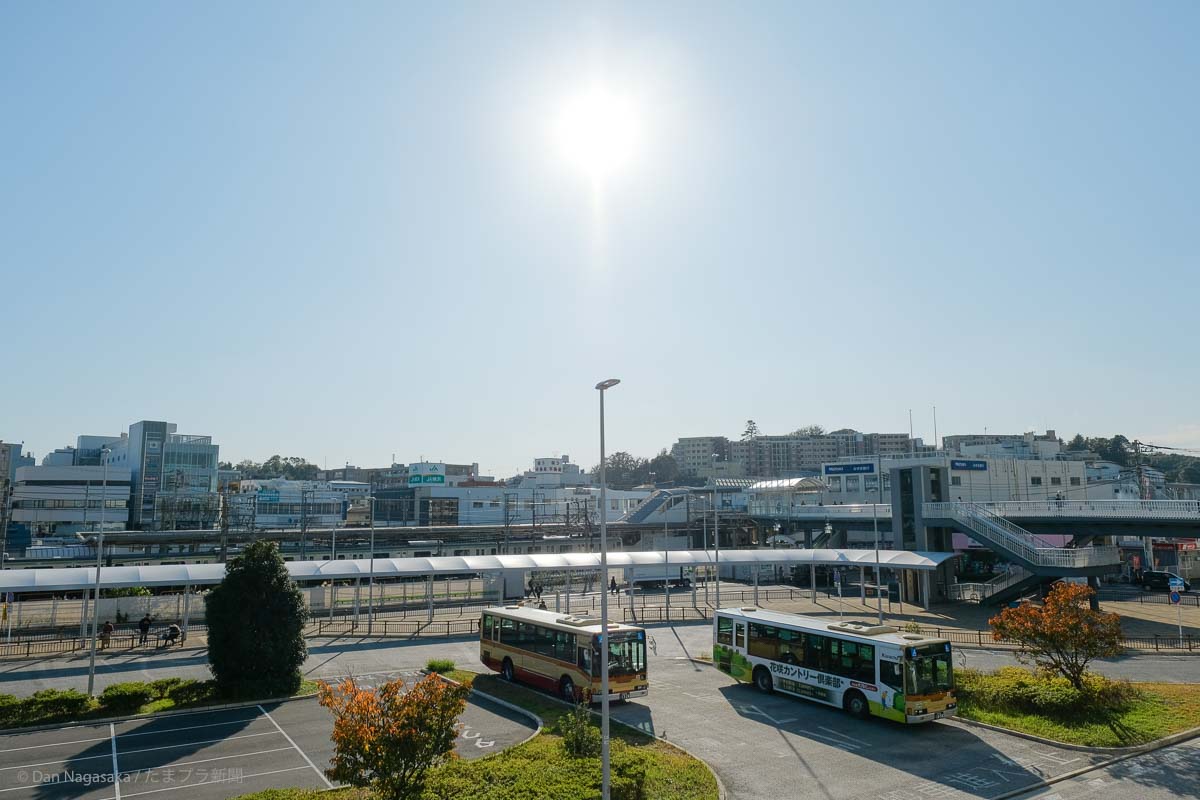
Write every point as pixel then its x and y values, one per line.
pixel 172 635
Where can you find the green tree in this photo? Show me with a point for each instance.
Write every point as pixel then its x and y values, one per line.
pixel 623 471
pixel 751 430
pixel 809 430
pixel 256 618
pixel 389 739
pixel 1064 634
pixel 664 467
pixel 1077 443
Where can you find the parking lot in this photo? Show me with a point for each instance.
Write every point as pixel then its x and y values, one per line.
pixel 211 754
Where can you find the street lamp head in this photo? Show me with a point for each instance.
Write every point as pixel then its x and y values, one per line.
pixel 608 384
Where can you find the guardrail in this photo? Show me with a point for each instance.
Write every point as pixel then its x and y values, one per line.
pixel 410 628
pixel 1104 509
pixel 1153 599
pixel 790 511
pixel 981 638
pixel 983 523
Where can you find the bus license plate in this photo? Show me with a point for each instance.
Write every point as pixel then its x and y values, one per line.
pixel 624 696
pixel 938 714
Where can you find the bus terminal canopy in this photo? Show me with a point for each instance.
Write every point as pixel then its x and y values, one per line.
pixel 77 579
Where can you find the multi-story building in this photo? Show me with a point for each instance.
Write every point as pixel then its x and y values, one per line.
pixel 558 471
pixel 63 500
pixel 11 459
pixel 793 454
pixel 1005 445
pixel 694 454
pixel 174 475
pixel 278 503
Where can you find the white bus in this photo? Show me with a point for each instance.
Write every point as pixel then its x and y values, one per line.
pixel 864 669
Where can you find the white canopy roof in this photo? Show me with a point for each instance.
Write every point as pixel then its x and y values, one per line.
pixel 73 579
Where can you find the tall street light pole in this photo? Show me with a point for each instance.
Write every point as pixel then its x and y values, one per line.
pixel 104 453
pixel 605 779
pixel 717 528
pixel 875 523
pixel 371 579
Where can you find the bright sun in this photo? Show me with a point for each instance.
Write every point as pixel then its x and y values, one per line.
pixel 597 132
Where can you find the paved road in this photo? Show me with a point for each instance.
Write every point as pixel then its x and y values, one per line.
pixel 211 754
pixel 1165 774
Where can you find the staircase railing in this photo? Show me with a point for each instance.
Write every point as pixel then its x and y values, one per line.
pixel 985 524
pixel 978 592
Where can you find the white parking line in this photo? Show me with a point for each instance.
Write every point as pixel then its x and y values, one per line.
pixel 186 728
pixel 53 744
pixel 298 750
pixel 844 736
pixel 112 736
pixel 203 741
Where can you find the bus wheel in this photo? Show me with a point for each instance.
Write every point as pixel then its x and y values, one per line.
pixel 506 670
pixel 762 680
pixel 856 705
pixel 566 688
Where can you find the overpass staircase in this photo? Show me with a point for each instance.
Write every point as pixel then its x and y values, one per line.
pixel 1036 560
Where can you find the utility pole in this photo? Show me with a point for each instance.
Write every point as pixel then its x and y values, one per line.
pixel 224 511
pixel 5 513
pixel 304 523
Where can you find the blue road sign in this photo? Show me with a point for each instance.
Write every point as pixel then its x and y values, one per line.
pixel 1175 597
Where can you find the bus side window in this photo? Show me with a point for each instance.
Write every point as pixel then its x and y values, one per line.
pixel 740 635
pixel 508 631
pixel 724 631
pixel 585 660
pixel 486 627
pixel 890 675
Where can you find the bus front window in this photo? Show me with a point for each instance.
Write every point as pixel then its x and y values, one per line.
pixel 626 657
pixel 928 674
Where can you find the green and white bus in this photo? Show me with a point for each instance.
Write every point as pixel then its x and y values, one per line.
pixel 864 669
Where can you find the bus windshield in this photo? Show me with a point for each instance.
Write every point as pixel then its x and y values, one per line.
pixel 929 671
pixel 625 657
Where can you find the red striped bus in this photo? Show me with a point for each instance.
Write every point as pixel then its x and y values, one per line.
pixel 561 653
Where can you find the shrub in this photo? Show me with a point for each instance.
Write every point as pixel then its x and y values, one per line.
pixel 126 698
pixel 191 693
pixel 580 737
pixel 163 686
pixel 10 711
pixel 628 772
pixel 912 627
pixel 49 705
pixel 440 665
pixel 1044 693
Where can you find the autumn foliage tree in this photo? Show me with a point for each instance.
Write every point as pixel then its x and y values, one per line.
pixel 1064 634
pixel 389 738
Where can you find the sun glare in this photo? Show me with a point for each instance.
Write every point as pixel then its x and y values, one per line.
pixel 597 132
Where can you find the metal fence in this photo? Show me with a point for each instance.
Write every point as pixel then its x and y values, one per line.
pixel 1192 600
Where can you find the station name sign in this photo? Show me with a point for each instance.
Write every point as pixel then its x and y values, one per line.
pixel 980 466
pixel 849 469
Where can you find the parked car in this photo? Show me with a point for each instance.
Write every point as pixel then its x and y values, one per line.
pixel 1160 581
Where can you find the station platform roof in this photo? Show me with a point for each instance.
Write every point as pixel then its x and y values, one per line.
pixel 76 579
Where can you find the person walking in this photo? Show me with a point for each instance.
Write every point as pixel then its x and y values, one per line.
pixel 106 634
pixel 612 585
pixel 144 629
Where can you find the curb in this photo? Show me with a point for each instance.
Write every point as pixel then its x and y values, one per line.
pixel 722 792
pixel 173 712
pixel 1117 752
pixel 539 724
pixel 1150 747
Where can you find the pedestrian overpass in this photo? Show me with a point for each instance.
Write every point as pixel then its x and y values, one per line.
pixel 1011 529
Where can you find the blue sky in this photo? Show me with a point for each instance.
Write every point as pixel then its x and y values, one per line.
pixel 342 231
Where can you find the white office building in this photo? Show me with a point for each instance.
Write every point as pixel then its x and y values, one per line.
pixel 63 500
